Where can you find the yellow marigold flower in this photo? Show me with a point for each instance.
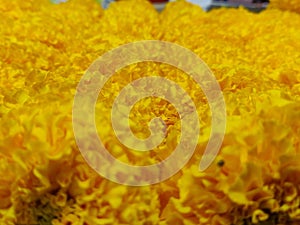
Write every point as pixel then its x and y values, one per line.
pixel 45 48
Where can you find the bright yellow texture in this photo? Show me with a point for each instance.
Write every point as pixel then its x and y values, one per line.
pixel 44 51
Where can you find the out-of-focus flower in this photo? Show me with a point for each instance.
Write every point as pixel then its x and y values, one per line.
pixel 292 5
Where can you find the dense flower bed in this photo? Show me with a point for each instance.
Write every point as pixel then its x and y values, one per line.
pixel 44 51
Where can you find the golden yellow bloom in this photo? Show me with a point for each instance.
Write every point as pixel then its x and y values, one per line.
pixel 44 51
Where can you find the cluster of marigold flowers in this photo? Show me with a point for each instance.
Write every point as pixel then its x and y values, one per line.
pixel 44 51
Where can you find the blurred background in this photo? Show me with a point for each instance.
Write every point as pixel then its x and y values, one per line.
pixel 206 4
